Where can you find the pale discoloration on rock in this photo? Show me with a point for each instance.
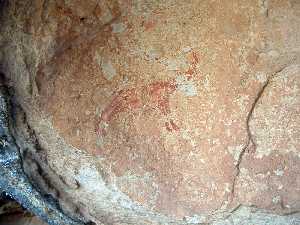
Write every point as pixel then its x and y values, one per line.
pixel 118 27
pixel 186 86
pixel 108 70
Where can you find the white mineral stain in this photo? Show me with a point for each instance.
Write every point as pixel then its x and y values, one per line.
pixel 195 219
pixel 279 172
pixel 244 171
pixel 227 187
pixel 273 53
pixel 280 186
pixel 262 152
pixel 228 132
pixel 98 111
pixel 186 49
pixel 172 65
pixel 109 72
pixel 187 137
pixel 186 86
pixel 153 54
pixel 207 83
pixel 175 64
pixel 99 142
pixel 235 151
pixel 89 176
pixel 242 102
pixel 263 6
pixel 276 199
pixel 261 77
pixel 118 27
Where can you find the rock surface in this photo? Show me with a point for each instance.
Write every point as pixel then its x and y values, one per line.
pixel 159 112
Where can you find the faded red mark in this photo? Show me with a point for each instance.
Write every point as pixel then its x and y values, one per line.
pixel 174 126
pixel 190 71
pixel 148 25
pixel 194 61
pixel 159 94
pixel 125 99
pixel 171 126
pixel 195 58
pixel 156 95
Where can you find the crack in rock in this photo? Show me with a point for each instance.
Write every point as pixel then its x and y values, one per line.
pixel 250 141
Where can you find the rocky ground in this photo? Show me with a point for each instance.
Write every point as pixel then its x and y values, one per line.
pixel 158 112
pixel 11 213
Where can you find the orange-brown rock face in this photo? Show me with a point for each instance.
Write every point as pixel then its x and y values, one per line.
pixel 193 105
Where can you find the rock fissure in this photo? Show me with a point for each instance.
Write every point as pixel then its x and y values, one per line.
pixel 250 140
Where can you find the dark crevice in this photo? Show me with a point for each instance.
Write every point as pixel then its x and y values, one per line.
pixel 3 5
pixel 90 223
pixel 14 181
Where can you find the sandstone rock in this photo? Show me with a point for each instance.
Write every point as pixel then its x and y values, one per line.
pixel 273 182
pixel 158 112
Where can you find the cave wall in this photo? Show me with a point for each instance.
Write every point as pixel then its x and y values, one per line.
pixel 159 112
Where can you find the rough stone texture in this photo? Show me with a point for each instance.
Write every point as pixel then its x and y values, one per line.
pixel 274 182
pixel 11 213
pixel 158 112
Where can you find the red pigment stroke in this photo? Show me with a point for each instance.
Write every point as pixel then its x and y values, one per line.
pixel 171 126
pixel 195 60
pixel 124 100
pixel 148 25
pixel 157 95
